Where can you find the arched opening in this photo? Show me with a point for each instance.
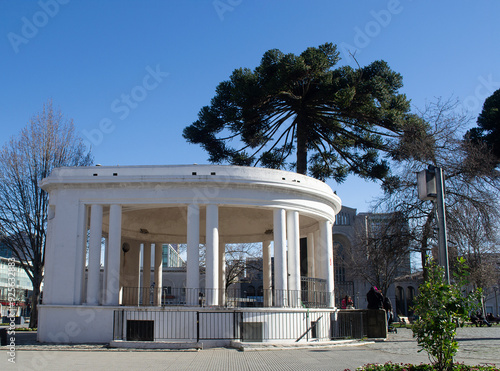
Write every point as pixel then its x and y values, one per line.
pixel 410 300
pixel 400 302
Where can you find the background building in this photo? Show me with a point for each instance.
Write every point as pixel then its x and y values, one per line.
pixel 370 244
pixel 22 286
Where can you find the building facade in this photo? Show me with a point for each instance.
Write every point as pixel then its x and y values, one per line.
pixel 15 288
pixel 351 232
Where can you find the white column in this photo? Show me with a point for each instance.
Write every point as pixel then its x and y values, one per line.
pixel 113 255
pixel 193 260
pixel 267 273
pixel 311 272
pixel 319 288
pixel 81 245
pixel 222 272
pixel 293 237
pixel 318 257
pixel 122 294
pixel 129 273
pixel 330 284
pixel 51 261
pixel 212 258
pixel 94 266
pixel 158 274
pixel 280 271
pixel 146 274
pixel 132 270
pixel 310 255
pixel 325 231
pixel 104 284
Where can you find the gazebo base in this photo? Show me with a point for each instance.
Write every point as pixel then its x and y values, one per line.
pixel 154 327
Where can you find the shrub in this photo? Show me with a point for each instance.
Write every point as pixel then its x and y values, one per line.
pixel 440 308
pixel 389 366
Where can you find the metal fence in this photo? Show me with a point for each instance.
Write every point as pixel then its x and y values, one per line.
pixel 311 296
pixel 198 325
pixel 350 324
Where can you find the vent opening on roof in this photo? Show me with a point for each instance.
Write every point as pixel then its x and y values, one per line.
pixel 193 173
pixel 95 174
pixel 212 173
pixel 115 174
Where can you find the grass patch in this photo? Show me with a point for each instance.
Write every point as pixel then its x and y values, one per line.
pixel 19 329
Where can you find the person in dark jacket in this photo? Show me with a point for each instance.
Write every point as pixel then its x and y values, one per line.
pixel 374 298
pixel 388 309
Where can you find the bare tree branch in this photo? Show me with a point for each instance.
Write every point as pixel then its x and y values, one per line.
pixel 48 141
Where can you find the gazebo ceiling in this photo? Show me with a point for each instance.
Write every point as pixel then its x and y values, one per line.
pixel 148 223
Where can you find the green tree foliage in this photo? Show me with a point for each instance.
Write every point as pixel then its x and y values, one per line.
pixel 335 119
pixel 440 308
pixel 48 141
pixel 488 130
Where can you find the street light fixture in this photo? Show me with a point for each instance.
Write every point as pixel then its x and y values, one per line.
pixel 430 186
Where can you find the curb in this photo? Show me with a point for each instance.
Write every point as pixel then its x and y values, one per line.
pixel 286 346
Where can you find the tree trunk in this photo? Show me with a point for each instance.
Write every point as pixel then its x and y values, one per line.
pixel 301 147
pixel 35 299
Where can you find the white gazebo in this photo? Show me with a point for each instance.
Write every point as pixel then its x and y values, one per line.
pixel 104 222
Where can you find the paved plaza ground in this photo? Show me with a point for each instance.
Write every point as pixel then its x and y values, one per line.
pixel 477 346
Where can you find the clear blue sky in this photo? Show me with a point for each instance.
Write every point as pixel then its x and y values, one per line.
pixel 133 74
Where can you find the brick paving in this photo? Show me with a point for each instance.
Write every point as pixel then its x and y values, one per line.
pixel 477 346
